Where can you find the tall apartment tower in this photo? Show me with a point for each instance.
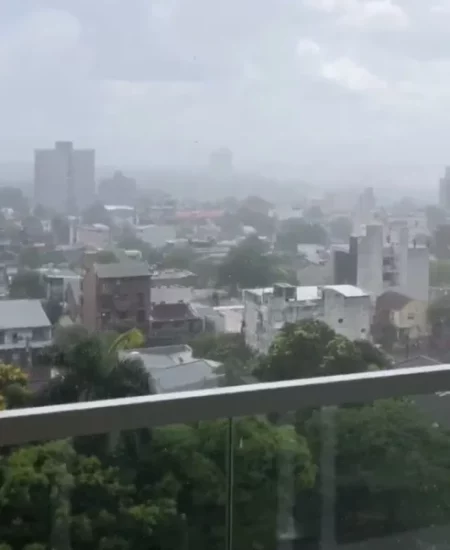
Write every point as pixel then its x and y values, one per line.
pixel 64 177
pixel 444 190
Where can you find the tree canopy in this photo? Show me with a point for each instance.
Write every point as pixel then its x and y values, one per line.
pixel 247 265
pixel 296 231
pixel 27 284
pixel 30 257
pixel 167 488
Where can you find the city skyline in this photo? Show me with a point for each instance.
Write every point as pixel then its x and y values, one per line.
pixel 286 83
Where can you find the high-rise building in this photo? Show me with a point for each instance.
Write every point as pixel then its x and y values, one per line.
pixel 64 177
pixel 444 190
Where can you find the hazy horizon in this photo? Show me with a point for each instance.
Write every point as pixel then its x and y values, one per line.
pixel 285 83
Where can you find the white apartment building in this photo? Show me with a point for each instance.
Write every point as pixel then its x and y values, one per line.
pixel 64 177
pixel 97 235
pixel 380 260
pixel 346 309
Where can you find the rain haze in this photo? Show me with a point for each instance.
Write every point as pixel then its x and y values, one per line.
pixel 292 87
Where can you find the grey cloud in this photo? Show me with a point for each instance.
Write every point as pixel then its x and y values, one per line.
pixel 167 81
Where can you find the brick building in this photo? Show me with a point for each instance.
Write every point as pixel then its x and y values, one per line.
pixel 116 297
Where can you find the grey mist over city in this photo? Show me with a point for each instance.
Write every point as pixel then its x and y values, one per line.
pixel 224 275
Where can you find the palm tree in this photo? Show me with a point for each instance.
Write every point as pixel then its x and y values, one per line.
pixel 91 367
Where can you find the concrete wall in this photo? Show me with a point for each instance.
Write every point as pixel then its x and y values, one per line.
pixel 350 317
pixel 370 260
pixel 418 281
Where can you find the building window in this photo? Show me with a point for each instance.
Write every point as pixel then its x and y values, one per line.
pixel 140 317
pixel 122 314
pixel 340 321
pixel 410 316
pixel 157 325
pixel 140 298
pixel 106 316
pixel 106 301
pixel 2 337
pixel 15 358
pixel 178 324
pixel 39 334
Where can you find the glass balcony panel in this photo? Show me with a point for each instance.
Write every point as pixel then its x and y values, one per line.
pixel 161 488
pixel 360 476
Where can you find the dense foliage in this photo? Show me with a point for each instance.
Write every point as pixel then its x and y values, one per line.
pixel 166 488
pixel 27 284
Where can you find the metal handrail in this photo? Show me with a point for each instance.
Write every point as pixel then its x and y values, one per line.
pixel 95 417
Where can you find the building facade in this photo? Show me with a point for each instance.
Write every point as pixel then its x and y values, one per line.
pixel 116 297
pixel 444 190
pixel 378 261
pixel 346 309
pixel 24 331
pixel 64 177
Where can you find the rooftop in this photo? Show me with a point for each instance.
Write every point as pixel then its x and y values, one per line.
pixel 120 270
pixel 391 300
pixel 22 314
pixel 172 274
pixel 172 312
pixel 197 375
pixel 306 293
pixel 349 291
pixel 172 368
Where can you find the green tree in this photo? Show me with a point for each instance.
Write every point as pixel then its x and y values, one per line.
pixel 247 265
pixel 196 454
pixel 92 368
pixel 149 254
pixel 311 348
pixel 66 337
pixel 221 347
pixel 179 258
pixel 27 284
pixel 440 273
pixel 30 257
pixel 392 470
pixel 13 387
pixel 299 231
pixel 106 257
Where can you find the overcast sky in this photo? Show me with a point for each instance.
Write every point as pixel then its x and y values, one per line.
pixel 282 81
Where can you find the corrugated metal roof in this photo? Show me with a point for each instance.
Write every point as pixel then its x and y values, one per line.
pixel 22 314
pixel 119 270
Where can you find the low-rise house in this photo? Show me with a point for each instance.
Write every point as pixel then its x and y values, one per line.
pixel 116 296
pixel 173 368
pixel 173 277
pixel 345 308
pixel 57 281
pixel 408 316
pixel 173 324
pixel 24 331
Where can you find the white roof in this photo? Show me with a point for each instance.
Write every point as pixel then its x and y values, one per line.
pixel 306 293
pixel 349 291
pixel 15 314
pixel 311 293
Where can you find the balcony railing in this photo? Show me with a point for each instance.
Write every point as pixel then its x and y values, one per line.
pixel 334 474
